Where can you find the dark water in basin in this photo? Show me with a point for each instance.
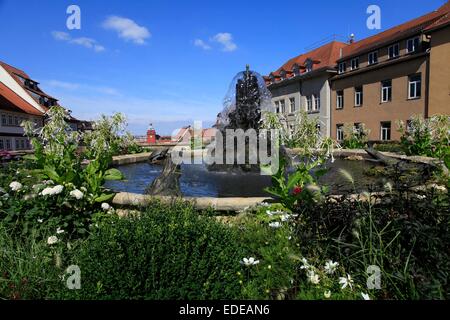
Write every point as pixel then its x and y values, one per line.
pixel 197 181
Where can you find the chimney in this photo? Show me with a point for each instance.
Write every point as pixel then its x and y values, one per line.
pixel 352 38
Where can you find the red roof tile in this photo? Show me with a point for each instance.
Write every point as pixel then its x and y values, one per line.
pixel 324 56
pixel 11 99
pixel 396 33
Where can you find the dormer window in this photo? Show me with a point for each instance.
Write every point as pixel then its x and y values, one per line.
pixel 283 74
pixel 412 45
pixel 373 58
pixel 342 67
pixel 296 69
pixel 394 51
pixel 309 65
pixel 355 63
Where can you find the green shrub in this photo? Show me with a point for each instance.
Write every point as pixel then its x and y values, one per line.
pixel 427 137
pixel 355 137
pixel 167 252
pixel 27 267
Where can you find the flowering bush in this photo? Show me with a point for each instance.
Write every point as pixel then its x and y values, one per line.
pixel 355 137
pixel 56 186
pixel 430 137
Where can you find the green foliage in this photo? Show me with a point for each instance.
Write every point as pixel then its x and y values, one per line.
pixel 166 252
pixel 292 189
pixel 427 137
pixel 60 186
pixel 27 267
pixel 355 138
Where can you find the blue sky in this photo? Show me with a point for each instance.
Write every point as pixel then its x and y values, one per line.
pixel 170 62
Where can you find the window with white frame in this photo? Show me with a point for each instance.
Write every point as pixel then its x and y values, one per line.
pixel 10 120
pixel 309 103
pixel 358 96
pixel 317 102
pixel 340 132
pixel 373 58
pixel 309 65
pixel 342 67
pixel 394 51
pixel 4 121
pixel 292 104
pixel 277 106
pixel 283 106
pixel 340 99
pixel 355 63
pixel 386 91
pixel 412 45
pixel 8 144
pixel 385 134
pixel 415 86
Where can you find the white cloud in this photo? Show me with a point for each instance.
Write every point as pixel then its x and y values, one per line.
pixel 84 88
pixel 200 43
pixel 127 29
pixel 226 40
pixel 82 41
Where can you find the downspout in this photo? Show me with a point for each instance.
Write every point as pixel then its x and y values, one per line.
pixel 427 85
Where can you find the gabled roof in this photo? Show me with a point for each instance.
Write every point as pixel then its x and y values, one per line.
pixel 396 33
pixel 15 72
pixel 324 56
pixel 14 101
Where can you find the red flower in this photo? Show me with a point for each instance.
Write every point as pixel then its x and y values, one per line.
pixel 297 190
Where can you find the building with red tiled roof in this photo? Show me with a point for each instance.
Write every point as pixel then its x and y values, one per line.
pixel 303 83
pixel 393 75
pixel 22 99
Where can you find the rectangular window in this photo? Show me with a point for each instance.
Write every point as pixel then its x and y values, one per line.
pixel 17 144
pixel 412 45
pixel 342 67
pixel 2 145
pixel 16 121
pixel 394 51
pixel 317 102
pixel 340 132
pixel 309 103
pixel 10 120
pixel 277 106
pixel 386 91
pixel 358 96
pixel 283 106
pixel 8 144
pixel 415 86
pixel 4 122
pixel 292 103
pixel 355 63
pixel 386 131
pixel 340 100
pixel 22 144
pixel 373 58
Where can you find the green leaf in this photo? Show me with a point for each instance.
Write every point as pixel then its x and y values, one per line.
pixel 31 157
pixel 51 173
pixel 105 197
pixel 113 174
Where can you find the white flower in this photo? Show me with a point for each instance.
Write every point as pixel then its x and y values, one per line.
pixel 52 240
pixel 106 206
pixel 285 217
pixel 83 189
pixel 47 191
pixel 52 191
pixel 77 194
pixel 59 231
pixel 249 262
pixel 15 186
pixel 305 265
pixel 313 277
pixel 57 189
pixel 346 281
pixel 40 220
pixel 275 225
pixel 327 294
pixel 365 296
pixel 330 266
